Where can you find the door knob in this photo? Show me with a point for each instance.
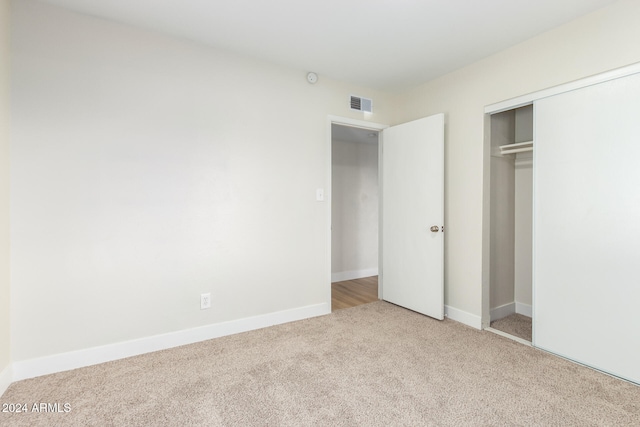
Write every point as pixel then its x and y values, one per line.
pixel 435 228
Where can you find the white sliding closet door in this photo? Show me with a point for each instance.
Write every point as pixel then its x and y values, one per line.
pixel 587 226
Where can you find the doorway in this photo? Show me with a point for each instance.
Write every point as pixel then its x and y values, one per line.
pixel 509 235
pixel 354 215
pixel 410 210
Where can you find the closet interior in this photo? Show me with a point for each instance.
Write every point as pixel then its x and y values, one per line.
pixel 511 211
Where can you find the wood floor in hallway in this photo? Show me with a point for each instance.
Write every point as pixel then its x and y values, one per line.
pixel 351 293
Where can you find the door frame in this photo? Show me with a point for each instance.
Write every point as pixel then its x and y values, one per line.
pixel 361 124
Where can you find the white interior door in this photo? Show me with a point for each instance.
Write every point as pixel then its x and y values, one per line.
pixel 412 203
pixel 587 226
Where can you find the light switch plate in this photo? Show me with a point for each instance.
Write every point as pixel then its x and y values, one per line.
pixel 320 194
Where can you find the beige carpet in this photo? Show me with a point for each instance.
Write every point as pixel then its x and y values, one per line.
pixel 372 365
pixel 514 324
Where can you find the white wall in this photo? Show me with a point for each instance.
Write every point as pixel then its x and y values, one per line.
pixel 354 224
pixel 595 43
pixel 147 170
pixel 523 238
pixel 523 203
pixel 5 347
pixel 511 234
pixel 511 215
pixel 503 191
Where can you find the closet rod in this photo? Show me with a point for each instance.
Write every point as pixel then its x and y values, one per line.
pixel 517 150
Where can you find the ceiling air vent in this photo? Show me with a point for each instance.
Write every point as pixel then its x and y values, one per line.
pixel 361 104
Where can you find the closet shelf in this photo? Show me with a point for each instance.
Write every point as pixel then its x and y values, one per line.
pixel 518 147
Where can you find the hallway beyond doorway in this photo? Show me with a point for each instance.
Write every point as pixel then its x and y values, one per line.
pixel 351 293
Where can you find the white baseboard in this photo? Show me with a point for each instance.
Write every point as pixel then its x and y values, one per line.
pixel 6 378
pixel 463 317
pixel 524 309
pixel 354 274
pixel 511 308
pixel 93 356
pixel 503 311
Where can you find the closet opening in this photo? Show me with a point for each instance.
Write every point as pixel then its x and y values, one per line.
pixel 507 309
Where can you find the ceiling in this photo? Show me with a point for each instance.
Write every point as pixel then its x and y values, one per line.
pixel 382 44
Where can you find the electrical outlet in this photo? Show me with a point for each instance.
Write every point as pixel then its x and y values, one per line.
pixel 205 301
